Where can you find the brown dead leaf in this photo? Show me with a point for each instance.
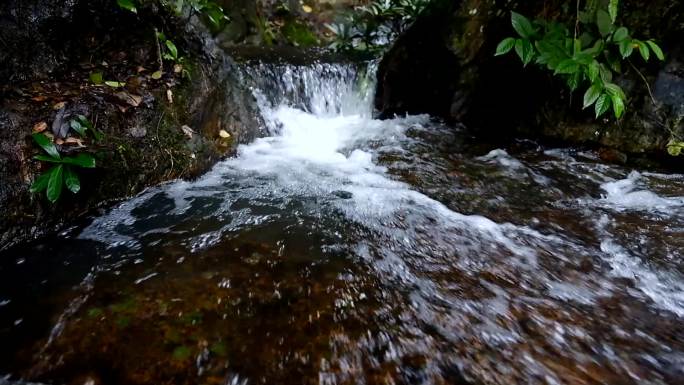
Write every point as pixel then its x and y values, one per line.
pixel 140 69
pixel 123 109
pixel 59 141
pixel 128 98
pixel 187 131
pixel 59 106
pixel 40 127
pixel 39 98
pixel 76 141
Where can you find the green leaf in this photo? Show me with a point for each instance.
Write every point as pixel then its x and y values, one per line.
pixel 128 5
pixel 621 34
pixel 626 48
pixel 172 49
pixel 656 50
pixel 643 49
pixel 82 160
pixel 71 180
pixel 524 50
pixel 583 58
pixel 574 80
pixel 593 71
pixel 613 9
pixel 114 84
pixel 96 77
pixel 675 148
pixel 602 105
pixel 614 90
pixel 45 158
pixel 618 105
pixel 505 46
pixel 591 95
pixel 157 75
pixel 604 22
pixel 522 25
pixel 567 66
pixel 76 126
pixel 84 121
pixel 54 186
pixel 605 73
pixel 40 183
pixel 46 144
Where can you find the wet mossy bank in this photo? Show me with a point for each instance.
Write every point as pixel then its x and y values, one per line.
pixel 155 128
pixel 445 65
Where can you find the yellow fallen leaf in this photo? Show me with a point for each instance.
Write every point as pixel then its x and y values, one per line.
pixel 224 134
pixel 307 8
pixel 59 106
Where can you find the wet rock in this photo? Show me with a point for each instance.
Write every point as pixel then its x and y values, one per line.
pixel 142 144
pixel 445 65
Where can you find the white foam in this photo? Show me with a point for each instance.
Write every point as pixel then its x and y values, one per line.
pixel 627 194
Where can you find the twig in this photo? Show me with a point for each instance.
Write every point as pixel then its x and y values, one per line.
pixel 159 55
pixel 648 87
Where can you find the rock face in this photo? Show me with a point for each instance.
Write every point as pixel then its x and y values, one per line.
pixel 445 65
pixel 155 129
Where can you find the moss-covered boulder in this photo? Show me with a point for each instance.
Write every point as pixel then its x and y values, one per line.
pixel 161 119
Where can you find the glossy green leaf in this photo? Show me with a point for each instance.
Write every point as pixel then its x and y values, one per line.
pixel 46 144
pixel 84 121
pixel 505 46
pixel 656 49
pixel 574 80
pixel 593 70
pixel 128 5
pixel 567 66
pixel 82 160
pixel 614 90
pixel 172 49
pixel 524 50
pixel 40 183
pixel 592 95
pixel 602 105
pixel 626 48
pixel 620 34
pixel 643 49
pixel 618 105
pixel 76 126
pixel 45 158
pixel 522 25
pixel 54 186
pixel 71 180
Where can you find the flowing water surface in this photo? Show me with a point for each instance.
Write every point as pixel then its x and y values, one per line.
pixel 347 250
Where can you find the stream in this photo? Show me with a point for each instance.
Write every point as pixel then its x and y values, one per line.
pixel 347 250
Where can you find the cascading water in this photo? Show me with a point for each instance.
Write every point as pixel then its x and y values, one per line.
pixel 343 249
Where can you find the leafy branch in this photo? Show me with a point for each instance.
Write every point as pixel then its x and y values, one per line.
pixel 589 57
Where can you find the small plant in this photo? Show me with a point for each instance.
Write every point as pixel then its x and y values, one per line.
pixel 169 51
pixel 374 26
pixel 62 173
pixel 213 12
pixel 588 57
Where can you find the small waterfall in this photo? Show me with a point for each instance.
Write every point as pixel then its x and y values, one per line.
pixel 322 89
